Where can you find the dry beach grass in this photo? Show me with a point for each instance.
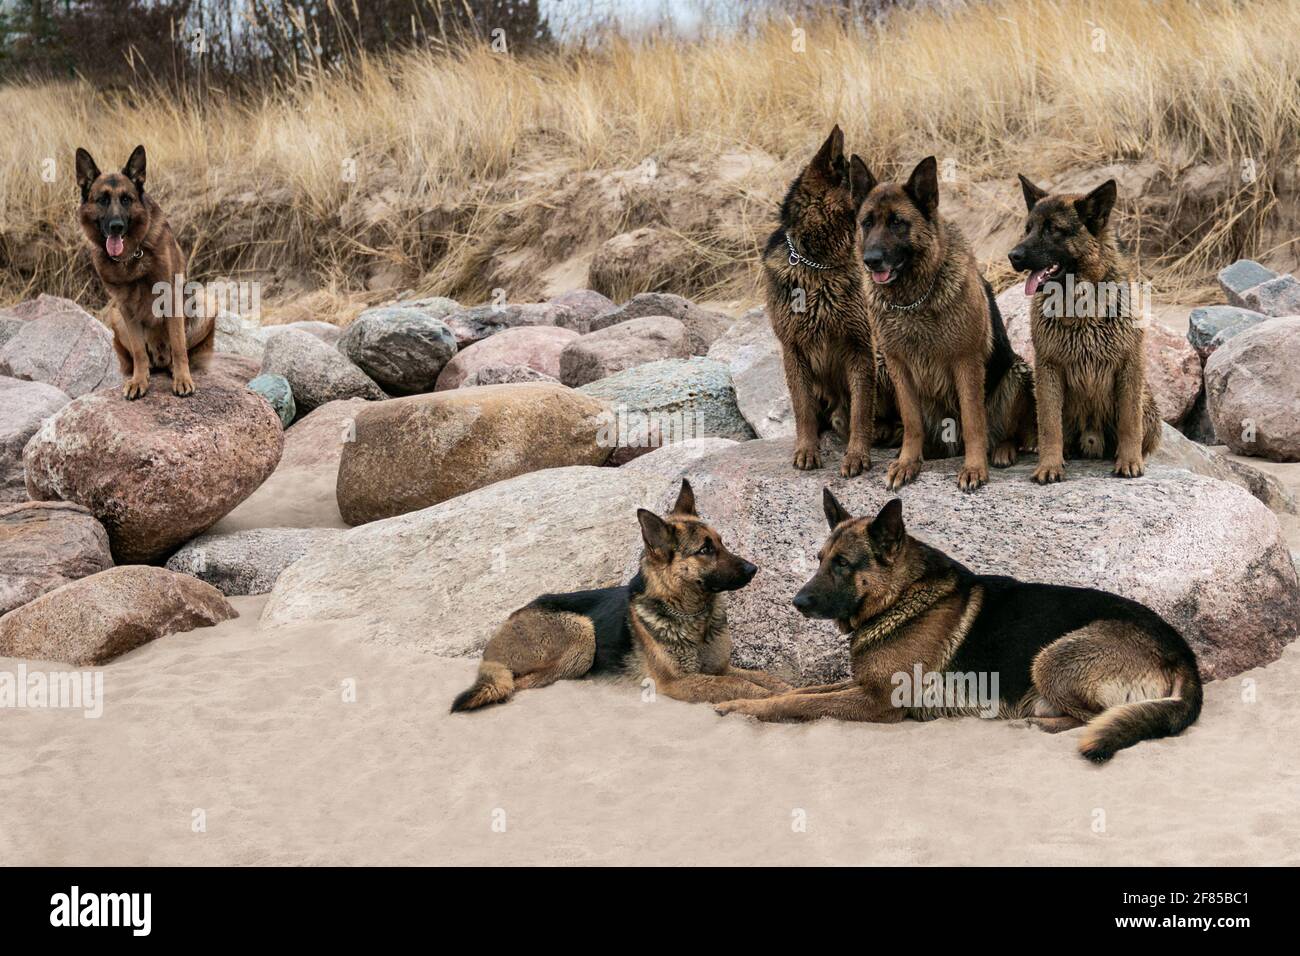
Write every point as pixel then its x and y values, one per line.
pixel 461 156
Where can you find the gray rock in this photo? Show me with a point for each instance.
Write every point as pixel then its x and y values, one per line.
pixel 1178 451
pixel 246 337
pixel 1252 388
pixel 599 354
pixel 412 580
pixel 1243 274
pixel 752 352
pixel 247 562
pixel 435 306
pixel 316 372
pixel 1203 553
pixel 60 344
pixel 276 390
pixel 703 326
pixel 482 321
pixel 504 373
pixel 23 406
pixel 8 328
pixel 667 402
pixel 1210 326
pixel 583 305
pixel 538 347
pixel 402 349
pixel 43 546
pixel 1276 297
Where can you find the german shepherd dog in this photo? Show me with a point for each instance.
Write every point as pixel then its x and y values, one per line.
pixel 934 318
pixel 668 624
pixel 1093 399
pixel 817 306
pixel 1063 656
pixel 132 250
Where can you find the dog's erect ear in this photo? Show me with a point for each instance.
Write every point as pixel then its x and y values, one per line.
pixel 655 532
pixel 87 172
pixel 1094 208
pixel 861 181
pixel 134 168
pixel 829 160
pixel 835 513
pixel 887 530
pixel 1032 192
pixel 685 500
pixel 923 186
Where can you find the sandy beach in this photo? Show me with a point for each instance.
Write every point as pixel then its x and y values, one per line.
pixel 251 728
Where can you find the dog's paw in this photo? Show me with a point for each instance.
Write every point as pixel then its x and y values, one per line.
pixel 182 384
pixel 855 463
pixel 1129 466
pixel 1048 473
pixel 135 388
pixel 1004 455
pixel 901 473
pixel 734 707
pixel 972 477
pixel 806 459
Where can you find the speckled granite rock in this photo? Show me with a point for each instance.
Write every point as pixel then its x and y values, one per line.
pixel 1201 552
pixel 1252 389
pixel 247 562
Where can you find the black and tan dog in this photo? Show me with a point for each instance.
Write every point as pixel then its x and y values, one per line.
pixel 1062 656
pixel 1093 399
pixel 668 624
pixel 817 306
pixel 134 254
pixel 936 322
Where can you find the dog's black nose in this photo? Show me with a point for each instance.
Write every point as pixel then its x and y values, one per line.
pixel 802 601
pixel 1017 258
pixel 748 570
pixel 116 227
pixel 874 259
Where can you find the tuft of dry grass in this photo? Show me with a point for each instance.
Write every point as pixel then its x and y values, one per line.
pixel 447 147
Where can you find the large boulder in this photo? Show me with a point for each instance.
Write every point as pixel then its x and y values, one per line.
pixel 159 470
pixel 23 406
pixel 247 562
pixel 505 375
pixel 44 545
pixel 401 349
pixel 97 618
pixel 1203 553
pixel 410 453
pixel 626 345
pixel 1210 326
pixel 60 344
pixel 1252 388
pixel 703 326
pixel 483 321
pixel 752 353
pixel 444 578
pixel 317 373
pixel 1240 277
pixel 585 305
pixel 1178 451
pixel 240 335
pixel 647 259
pixel 1275 298
pixel 538 347
pixel 669 401
pixel 302 491
pixel 1173 368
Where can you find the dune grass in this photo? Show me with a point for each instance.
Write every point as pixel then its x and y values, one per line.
pixel 996 87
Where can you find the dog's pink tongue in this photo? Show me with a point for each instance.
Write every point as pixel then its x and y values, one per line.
pixel 880 277
pixel 1034 281
pixel 114 245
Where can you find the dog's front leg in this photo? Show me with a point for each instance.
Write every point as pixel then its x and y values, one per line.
pixel 762 679
pixel 969 377
pixel 1049 390
pixel 129 338
pixel 862 416
pixel 908 464
pixel 851 704
pixel 798 379
pixel 710 688
pixel 1128 401
pixel 182 383
pixel 826 688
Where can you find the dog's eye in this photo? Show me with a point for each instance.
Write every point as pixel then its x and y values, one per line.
pixel 841 562
pixel 103 200
pixel 706 548
pixel 126 200
pixel 895 221
pixel 868 221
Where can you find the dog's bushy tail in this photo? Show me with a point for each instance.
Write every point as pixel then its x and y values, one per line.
pixel 1126 724
pixel 495 684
